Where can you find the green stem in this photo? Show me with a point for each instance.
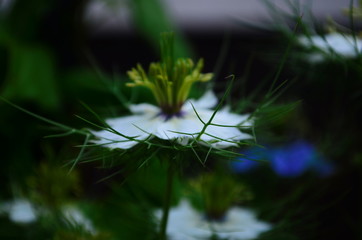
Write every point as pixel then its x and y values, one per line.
pixel 167 202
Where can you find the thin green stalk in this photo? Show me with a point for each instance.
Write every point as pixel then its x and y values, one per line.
pixel 167 202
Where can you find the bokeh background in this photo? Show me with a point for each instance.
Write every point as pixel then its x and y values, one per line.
pixel 56 55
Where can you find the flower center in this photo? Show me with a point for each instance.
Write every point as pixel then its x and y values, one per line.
pixel 216 217
pixel 170 80
pixel 168 116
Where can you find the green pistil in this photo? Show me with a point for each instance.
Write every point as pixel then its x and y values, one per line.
pixel 170 80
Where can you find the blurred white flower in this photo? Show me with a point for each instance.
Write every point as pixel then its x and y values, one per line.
pixel 332 43
pixel 75 216
pixel 20 211
pixel 107 15
pixel 6 6
pixel 185 223
pixel 149 121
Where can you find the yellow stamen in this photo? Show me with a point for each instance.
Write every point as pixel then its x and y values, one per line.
pixel 170 80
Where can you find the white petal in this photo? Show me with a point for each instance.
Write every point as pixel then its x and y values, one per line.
pixel 138 127
pixel 225 117
pixel 223 137
pixel 179 128
pixel 208 100
pixel 214 135
pixel 241 223
pixel 144 108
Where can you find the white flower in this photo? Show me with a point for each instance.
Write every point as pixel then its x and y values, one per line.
pixel 75 216
pixel 107 15
pixel 6 6
pixel 20 211
pixel 148 121
pixel 333 43
pixel 185 223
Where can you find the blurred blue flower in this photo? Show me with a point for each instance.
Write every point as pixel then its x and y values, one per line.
pixel 291 160
pixel 251 159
